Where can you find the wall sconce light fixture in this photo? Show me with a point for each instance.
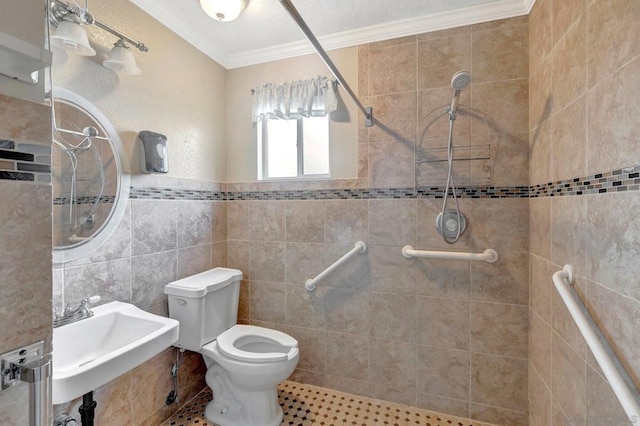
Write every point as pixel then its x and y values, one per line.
pixel 121 59
pixel 70 35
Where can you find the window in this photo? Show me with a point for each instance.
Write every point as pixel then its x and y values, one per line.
pixel 296 148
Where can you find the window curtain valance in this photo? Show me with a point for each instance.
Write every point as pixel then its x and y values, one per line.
pixel 295 99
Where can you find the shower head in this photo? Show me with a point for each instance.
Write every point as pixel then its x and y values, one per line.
pixel 459 81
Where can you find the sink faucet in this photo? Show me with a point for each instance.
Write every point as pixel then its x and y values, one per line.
pixel 72 315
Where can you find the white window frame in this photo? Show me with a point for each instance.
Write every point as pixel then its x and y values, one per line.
pixel 263 142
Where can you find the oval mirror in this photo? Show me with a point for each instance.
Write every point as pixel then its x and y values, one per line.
pixel 90 187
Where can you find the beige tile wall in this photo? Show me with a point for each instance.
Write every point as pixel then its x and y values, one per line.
pixel 584 109
pixel 444 335
pixel 25 243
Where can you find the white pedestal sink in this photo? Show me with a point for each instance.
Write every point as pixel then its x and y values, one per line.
pixel 92 352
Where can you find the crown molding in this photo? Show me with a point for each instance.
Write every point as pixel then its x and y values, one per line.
pixel 440 21
pixel 529 5
pixel 499 9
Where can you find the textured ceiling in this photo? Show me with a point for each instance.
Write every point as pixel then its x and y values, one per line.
pixel 264 31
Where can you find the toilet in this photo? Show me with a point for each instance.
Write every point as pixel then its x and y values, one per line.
pixel 245 363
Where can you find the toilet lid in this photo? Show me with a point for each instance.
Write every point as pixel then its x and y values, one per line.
pixel 234 343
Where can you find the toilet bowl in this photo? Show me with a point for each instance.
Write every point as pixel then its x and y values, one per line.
pixel 245 363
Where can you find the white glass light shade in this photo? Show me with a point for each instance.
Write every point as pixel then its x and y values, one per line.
pixel 71 37
pixel 224 10
pixel 122 60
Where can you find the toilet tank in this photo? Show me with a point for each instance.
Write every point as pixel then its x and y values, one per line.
pixel 205 304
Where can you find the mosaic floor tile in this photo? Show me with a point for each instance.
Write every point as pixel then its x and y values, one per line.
pixel 311 405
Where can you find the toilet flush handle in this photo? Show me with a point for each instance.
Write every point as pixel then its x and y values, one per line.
pixel 181 301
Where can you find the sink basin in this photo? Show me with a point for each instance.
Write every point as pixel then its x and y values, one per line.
pixel 92 352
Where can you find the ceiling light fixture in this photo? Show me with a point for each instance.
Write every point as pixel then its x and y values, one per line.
pixel 70 20
pixel 224 10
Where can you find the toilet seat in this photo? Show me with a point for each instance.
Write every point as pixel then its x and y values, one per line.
pixel 230 344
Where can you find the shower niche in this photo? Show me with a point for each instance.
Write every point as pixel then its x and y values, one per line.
pixel 90 187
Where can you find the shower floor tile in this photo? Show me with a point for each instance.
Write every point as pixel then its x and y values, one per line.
pixel 312 405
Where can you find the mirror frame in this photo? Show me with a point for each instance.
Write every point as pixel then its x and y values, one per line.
pixel 85 248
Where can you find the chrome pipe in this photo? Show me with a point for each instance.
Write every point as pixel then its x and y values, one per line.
pixel 367 111
pixel 139 45
pixel 30 365
pixel 38 374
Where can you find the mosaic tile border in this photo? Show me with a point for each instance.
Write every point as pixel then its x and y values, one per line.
pixel 626 179
pixel 25 161
pixel 105 199
pixel 161 193
pixel 382 193
pixel 326 194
